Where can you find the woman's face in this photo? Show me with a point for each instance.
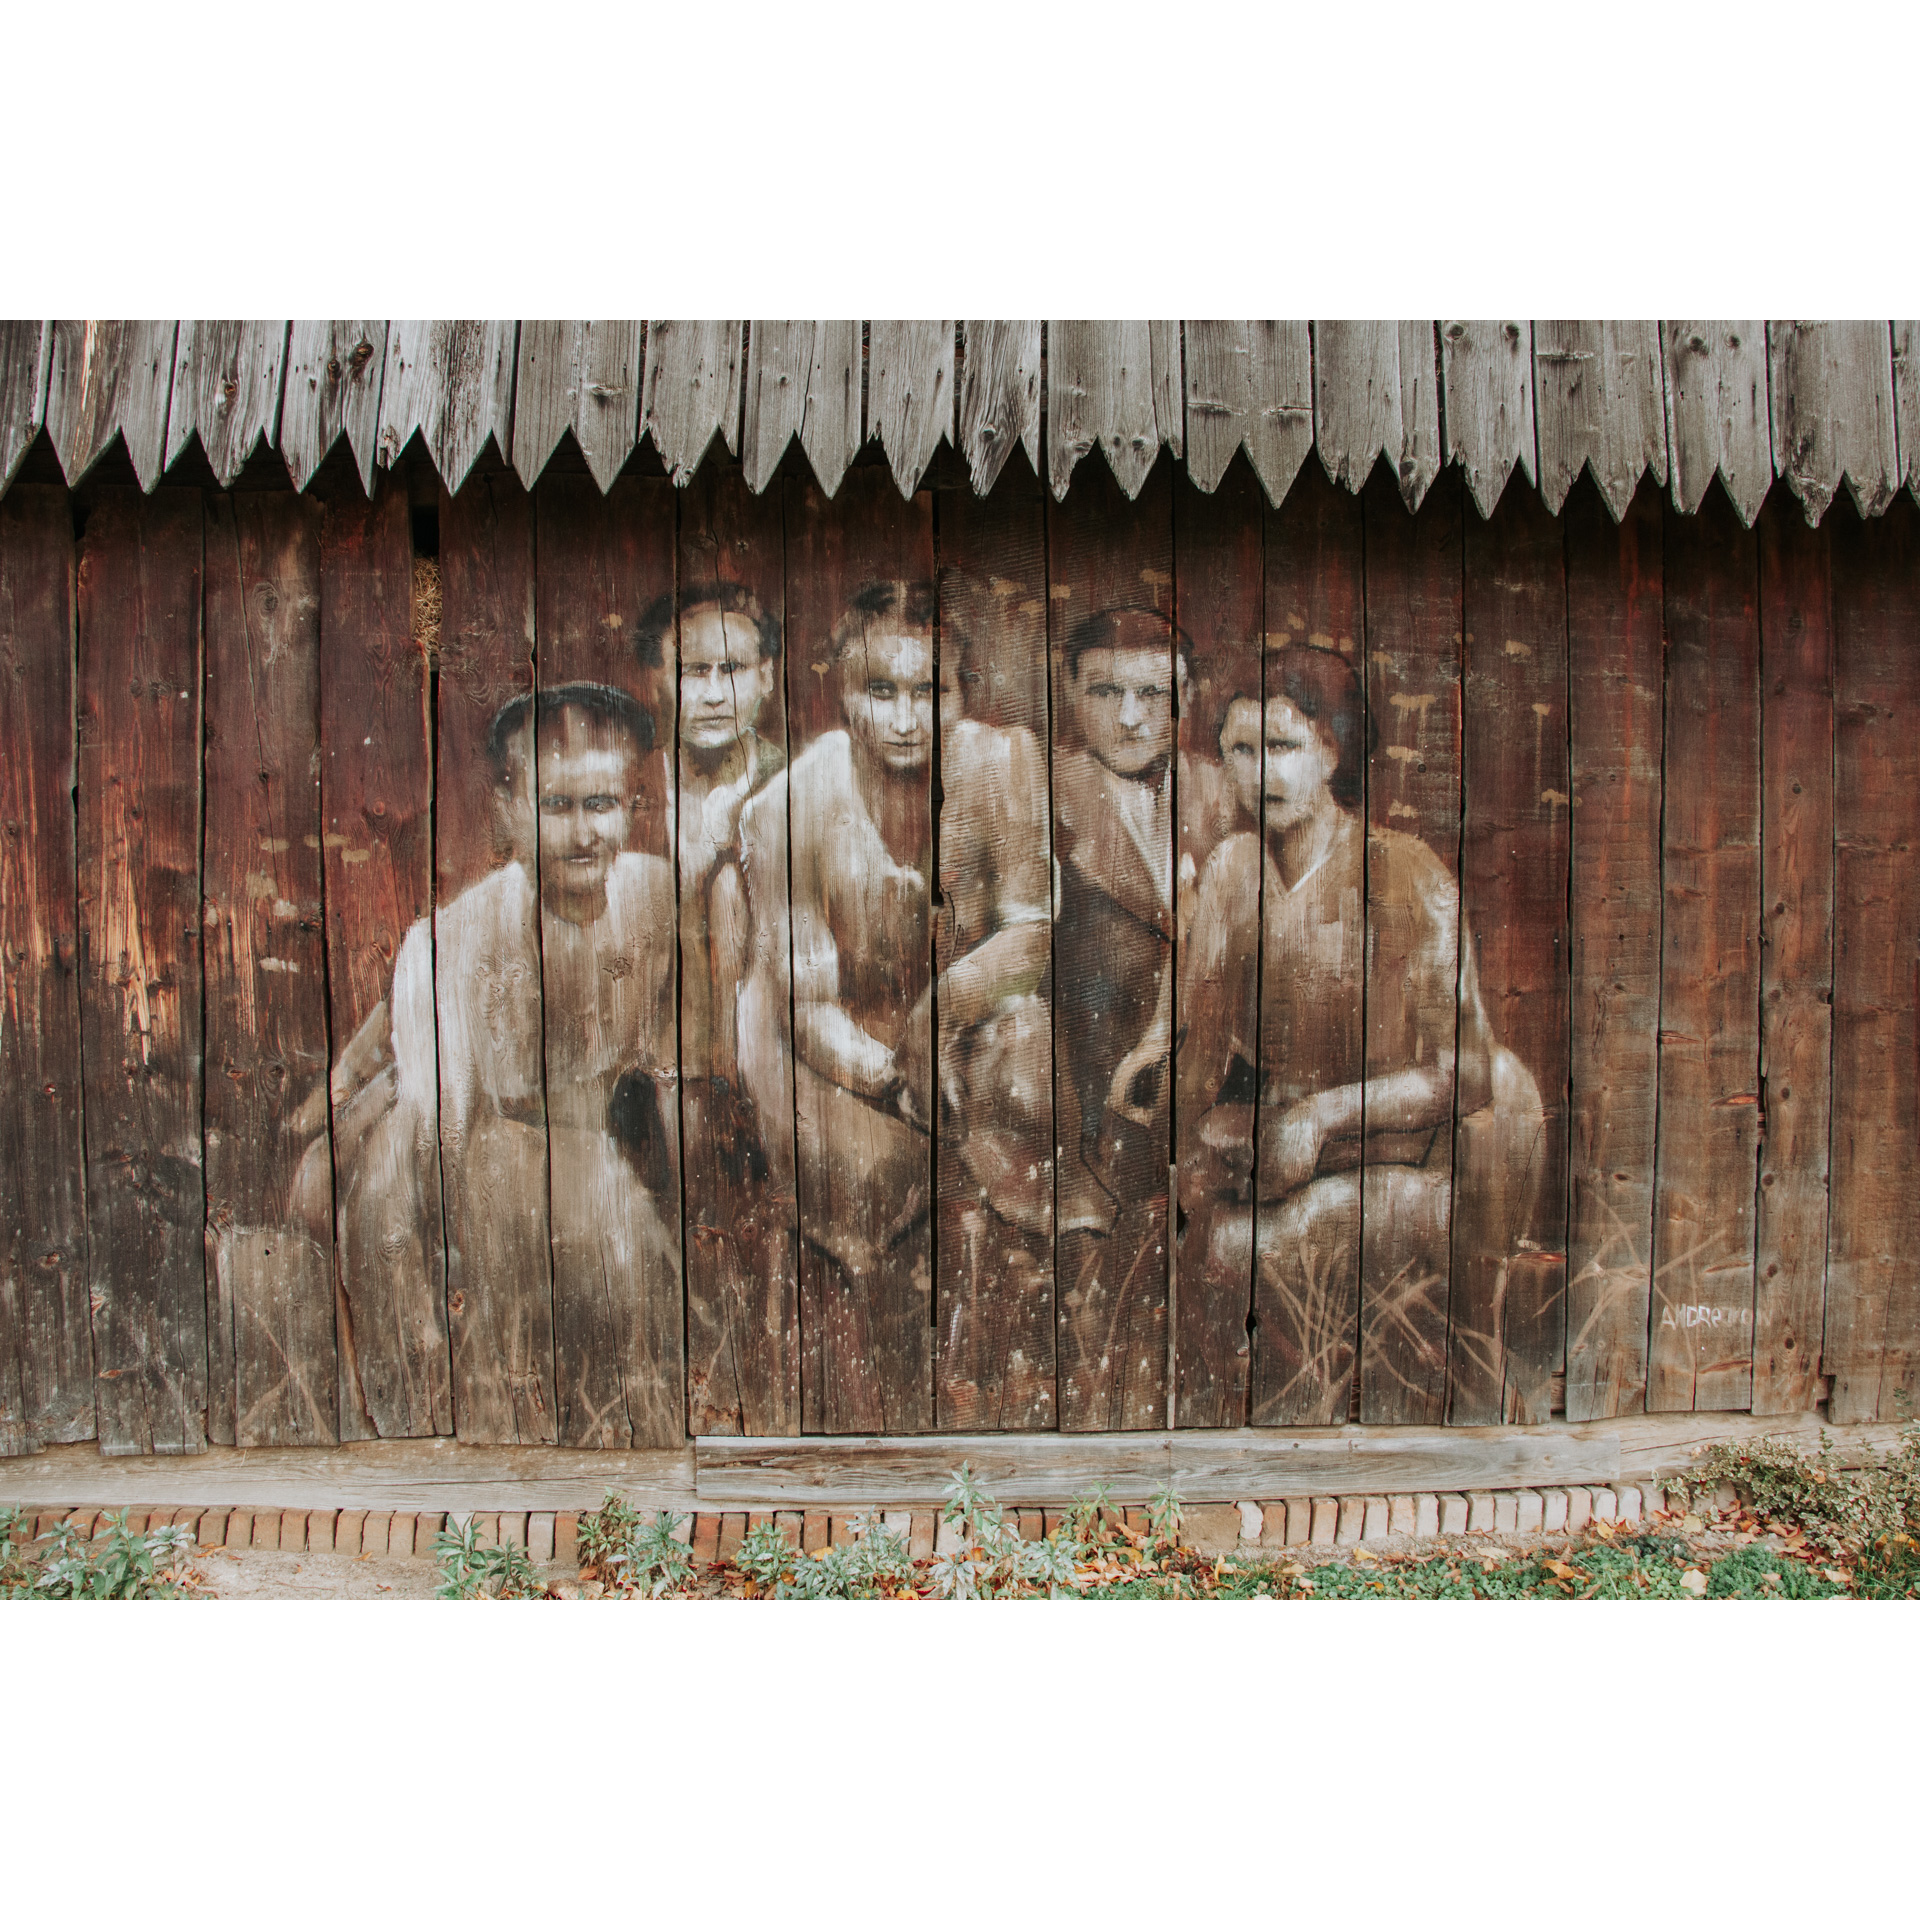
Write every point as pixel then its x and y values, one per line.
pixel 1300 761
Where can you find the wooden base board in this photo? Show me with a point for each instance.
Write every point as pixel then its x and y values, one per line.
pixel 850 1474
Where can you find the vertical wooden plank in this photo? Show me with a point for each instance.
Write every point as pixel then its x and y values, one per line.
pixel 487 970
pixel 1872 1345
pixel 1413 811
pixel 270 1325
pixel 858 798
pixel 1306 1232
pixel 743 1303
pixel 1110 579
pixel 1510 1136
pixel 581 376
pixel 1220 605
pixel 139 754
pixel 450 381
pixel 995 1307
pixel 1906 402
pixel 1796 959
pixel 1702 1312
pixel 1107 387
pixel 999 396
pixel 46 1343
pixel 1599 403
pixel 609 955
pixel 1375 391
pixel 1617 723
pixel 376 788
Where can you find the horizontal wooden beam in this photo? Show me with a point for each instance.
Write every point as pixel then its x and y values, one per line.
pixel 1033 1469
pixel 403 1476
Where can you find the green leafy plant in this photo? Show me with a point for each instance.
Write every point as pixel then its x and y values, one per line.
pixel 626 1550
pixel 124 1564
pixel 872 1563
pixel 767 1557
pixel 1841 1513
pixel 470 1569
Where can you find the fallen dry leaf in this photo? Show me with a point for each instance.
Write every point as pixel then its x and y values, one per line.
pixel 1695 1582
pixel 1360 1553
pixel 1693 1524
pixel 1603 1529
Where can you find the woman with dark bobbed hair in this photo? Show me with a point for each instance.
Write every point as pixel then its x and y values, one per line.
pixel 1348 912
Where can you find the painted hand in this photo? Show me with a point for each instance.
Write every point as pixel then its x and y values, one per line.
pixel 1290 1143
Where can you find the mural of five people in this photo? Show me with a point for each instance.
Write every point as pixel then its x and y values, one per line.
pixel 939 1007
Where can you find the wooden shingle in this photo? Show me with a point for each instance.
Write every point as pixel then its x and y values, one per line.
pixel 582 375
pixel 334 372
pixel 1486 371
pixel 24 352
pixel 1000 396
pixel 910 393
pixel 803 382
pixel 1599 403
pixel 1114 384
pixel 1833 412
pixel 1375 391
pixel 1717 411
pixel 450 381
pixel 1249 383
pixel 226 391
pixel 692 386
pixel 109 377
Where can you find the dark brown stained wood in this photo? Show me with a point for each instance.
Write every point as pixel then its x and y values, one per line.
pixel 226 391
pixel 693 376
pixel 1306 1286
pixel 1486 370
pixel 451 382
pixel 1114 384
pixel 910 393
pixel 999 396
pixel 376 791
pixel 1376 390
pixel 1717 411
pixel 1113 975
pixel 612 1113
pixel 1599 403
pixel 1249 384
pixel 1701 1353
pixel 488 932
pixel 803 382
pixel 25 350
pixel 46 1342
pixel 1796 959
pixel 107 377
pixel 742 1220
pixel 274 1367
pixel 1872 1347
pixel 995 1303
pixel 1833 412
pixel 1906 402
pixel 862 961
pixel 1617 699
pixel 1413 672
pixel 334 372
pixel 1510 1181
pixel 1220 592
pixel 139 848
pixel 581 376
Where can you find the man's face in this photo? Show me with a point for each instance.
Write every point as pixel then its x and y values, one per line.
pixel 1123 698
pixel 589 779
pixel 1300 761
pixel 723 680
pixel 887 697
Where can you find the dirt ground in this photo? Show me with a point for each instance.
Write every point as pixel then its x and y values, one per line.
pixel 266 1575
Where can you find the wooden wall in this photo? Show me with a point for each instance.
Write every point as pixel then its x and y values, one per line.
pixel 872 1005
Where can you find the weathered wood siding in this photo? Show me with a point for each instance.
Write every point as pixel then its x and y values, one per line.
pixel 1491 987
